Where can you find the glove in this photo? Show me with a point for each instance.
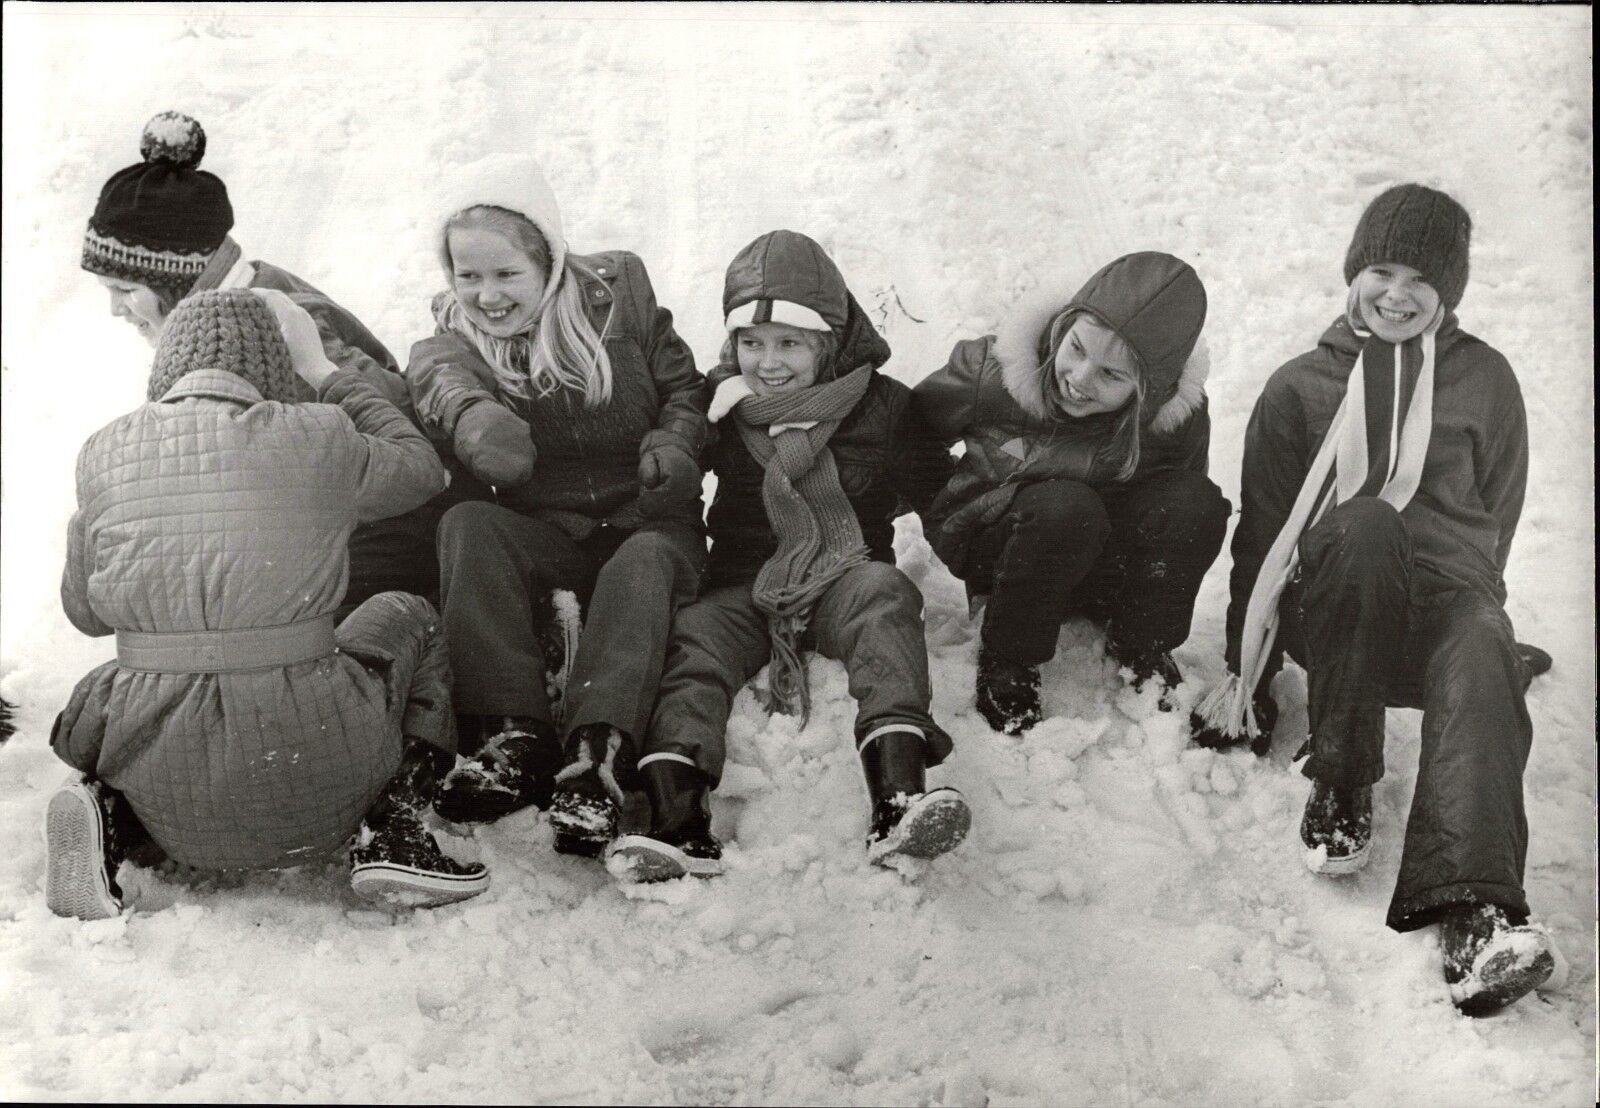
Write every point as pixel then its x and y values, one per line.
pixel 494 445
pixel 669 481
pixel 1215 738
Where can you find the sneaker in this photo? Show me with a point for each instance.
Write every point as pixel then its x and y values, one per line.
pixel 82 857
pixel 1489 962
pixel 1008 695
pixel 396 862
pixel 1337 828
pixel 922 826
pixel 665 857
pixel 515 769
pixel 586 807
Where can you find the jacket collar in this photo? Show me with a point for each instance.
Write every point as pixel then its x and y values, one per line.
pixel 1016 348
pixel 214 384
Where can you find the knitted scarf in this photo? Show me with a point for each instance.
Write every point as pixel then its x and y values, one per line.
pixel 819 537
pixel 1375 446
pixel 221 266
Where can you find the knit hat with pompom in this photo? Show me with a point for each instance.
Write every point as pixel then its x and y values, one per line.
pixel 228 329
pixel 159 222
pixel 1415 226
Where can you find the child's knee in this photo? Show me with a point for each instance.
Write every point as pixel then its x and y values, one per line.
pixel 1062 508
pixel 1364 529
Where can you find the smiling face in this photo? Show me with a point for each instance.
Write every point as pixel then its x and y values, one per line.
pixel 136 303
pixel 498 285
pixel 777 358
pixel 1095 371
pixel 1396 303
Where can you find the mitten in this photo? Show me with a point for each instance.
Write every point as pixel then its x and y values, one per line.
pixel 669 481
pixel 494 445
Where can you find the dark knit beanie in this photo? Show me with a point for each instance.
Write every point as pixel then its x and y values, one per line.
pixel 228 329
pixel 1416 226
pixel 159 222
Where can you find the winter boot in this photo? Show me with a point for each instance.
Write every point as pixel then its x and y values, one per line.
pixel 587 804
pixel 1535 662
pixel 908 820
pixel 83 851
pixel 1337 828
pixel 1489 962
pixel 1008 694
pixel 514 769
pixel 1157 667
pixel 680 842
pixel 395 860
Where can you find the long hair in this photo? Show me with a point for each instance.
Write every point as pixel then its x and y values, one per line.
pixel 1122 450
pixel 561 349
pixel 824 345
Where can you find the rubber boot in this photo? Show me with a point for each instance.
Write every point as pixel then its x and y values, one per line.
pixel 680 842
pixel 1489 961
pixel 908 820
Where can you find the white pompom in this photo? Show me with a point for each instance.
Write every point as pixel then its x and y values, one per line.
pixel 173 137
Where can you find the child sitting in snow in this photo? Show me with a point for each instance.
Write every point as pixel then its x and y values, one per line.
pixel 814 452
pixel 1083 487
pixel 1382 481
pixel 160 233
pixel 238 726
pixel 556 378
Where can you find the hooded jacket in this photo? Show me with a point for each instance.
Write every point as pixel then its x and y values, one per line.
pixel 587 459
pixel 212 516
pixel 887 460
pixel 992 394
pixel 1464 513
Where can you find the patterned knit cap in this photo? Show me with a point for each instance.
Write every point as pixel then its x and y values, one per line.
pixel 158 222
pixel 227 329
pixel 1416 226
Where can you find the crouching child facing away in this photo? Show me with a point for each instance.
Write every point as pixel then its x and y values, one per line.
pixel 238 727
pixel 814 454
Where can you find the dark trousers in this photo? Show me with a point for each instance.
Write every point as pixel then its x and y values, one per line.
pixel 871 620
pixel 496 564
pixel 1349 620
pixel 1130 557
pixel 399 554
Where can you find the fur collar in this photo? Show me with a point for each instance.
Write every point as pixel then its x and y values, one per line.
pixel 1016 349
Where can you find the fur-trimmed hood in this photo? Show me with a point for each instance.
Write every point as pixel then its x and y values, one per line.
pixel 1155 302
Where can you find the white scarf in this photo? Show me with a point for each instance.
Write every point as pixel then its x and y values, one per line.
pixel 1355 464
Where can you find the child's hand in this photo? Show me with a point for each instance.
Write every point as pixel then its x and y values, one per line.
pixel 669 481
pixel 495 446
pixel 300 334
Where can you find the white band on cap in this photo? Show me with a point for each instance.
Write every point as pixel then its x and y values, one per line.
pixel 775 311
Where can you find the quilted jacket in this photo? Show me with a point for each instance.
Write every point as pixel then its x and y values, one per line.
pixel 212 511
pixel 586 463
pixel 991 394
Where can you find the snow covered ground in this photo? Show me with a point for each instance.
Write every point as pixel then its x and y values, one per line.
pixel 1130 922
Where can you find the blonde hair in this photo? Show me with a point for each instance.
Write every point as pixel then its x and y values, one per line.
pixel 824 345
pixel 561 349
pixel 1124 447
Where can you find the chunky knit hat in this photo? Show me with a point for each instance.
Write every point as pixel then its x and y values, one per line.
pixel 512 182
pixel 159 222
pixel 1416 226
pixel 227 329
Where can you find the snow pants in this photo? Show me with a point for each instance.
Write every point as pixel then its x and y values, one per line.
pixel 1130 557
pixel 871 620
pixel 495 562
pixel 1365 643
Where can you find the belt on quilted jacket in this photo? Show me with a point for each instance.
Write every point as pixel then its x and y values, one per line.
pixel 225 651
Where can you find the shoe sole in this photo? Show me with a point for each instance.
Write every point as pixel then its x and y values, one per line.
pixel 639 859
pixel 76 883
pixel 406 887
pixel 1319 861
pixel 935 824
pixel 1502 978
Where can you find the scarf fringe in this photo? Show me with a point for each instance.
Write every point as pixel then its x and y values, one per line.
pixel 1229 709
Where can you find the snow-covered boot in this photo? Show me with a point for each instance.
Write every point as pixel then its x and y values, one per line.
pixel 1158 667
pixel 1337 828
pixel 396 861
pixel 1008 694
pixel 680 842
pixel 587 804
pixel 515 768
pixel 83 851
pixel 1489 962
pixel 908 820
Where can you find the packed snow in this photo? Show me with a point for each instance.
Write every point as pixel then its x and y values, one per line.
pixel 1130 921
